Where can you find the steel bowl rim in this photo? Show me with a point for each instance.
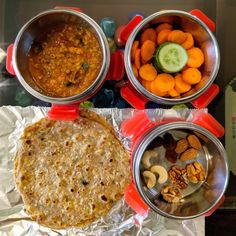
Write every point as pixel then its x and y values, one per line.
pixel 97 82
pixel 140 88
pixel 141 146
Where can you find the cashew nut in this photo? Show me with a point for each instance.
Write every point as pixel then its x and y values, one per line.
pixel 147 157
pixel 149 178
pixel 161 172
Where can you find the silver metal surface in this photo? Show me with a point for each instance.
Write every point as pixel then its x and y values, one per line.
pixel 204 39
pixel 198 199
pixel 37 25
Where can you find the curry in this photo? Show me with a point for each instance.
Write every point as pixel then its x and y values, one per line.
pixel 65 61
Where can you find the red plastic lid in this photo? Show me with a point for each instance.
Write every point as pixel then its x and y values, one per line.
pixel 72 8
pixel 63 112
pixel 9 65
pixel 209 213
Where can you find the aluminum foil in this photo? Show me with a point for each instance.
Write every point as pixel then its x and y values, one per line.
pixel 121 220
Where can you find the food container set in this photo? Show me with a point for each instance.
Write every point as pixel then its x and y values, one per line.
pixel 141 130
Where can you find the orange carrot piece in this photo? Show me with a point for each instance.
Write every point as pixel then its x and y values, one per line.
pixel 148 34
pixel 147 50
pixel 173 93
pixel 163 26
pixel 155 91
pixel 202 83
pixel 164 82
pixel 189 42
pixel 134 49
pixel 191 75
pixel 147 85
pixel 180 85
pixel 137 59
pixel 190 92
pixel 177 36
pixel 148 72
pixel 135 70
pixel 163 36
pixel 195 57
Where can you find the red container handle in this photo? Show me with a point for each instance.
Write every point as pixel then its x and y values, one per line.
pixel 208 122
pixel 63 112
pixel 209 213
pixel 134 98
pixel 129 28
pixel 206 98
pixel 200 15
pixel 70 8
pixel 9 65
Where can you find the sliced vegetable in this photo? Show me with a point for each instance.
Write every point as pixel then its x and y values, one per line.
pixel 173 93
pixel 162 37
pixel 191 75
pixel 147 50
pixel 155 90
pixel 148 72
pixel 202 83
pixel 148 34
pixel 190 92
pixel 163 83
pixel 147 85
pixel 134 49
pixel 137 58
pixel 171 57
pixel 177 36
pixel 189 42
pixel 180 85
pixel 195 57
pixel 135 70
pixel 163 26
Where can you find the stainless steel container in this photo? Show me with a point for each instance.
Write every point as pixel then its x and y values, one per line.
pixel 204 39
pixel 37 26
pixel 198 198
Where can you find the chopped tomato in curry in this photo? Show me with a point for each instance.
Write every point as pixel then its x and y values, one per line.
pixel 65 61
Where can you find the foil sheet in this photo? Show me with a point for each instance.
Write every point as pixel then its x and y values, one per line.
pixel 121 220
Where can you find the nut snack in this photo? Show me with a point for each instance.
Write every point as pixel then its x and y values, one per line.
pixel 71 173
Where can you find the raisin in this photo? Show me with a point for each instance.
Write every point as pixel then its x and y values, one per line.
pixel 171 155
pixel 157 142
pixel 169 142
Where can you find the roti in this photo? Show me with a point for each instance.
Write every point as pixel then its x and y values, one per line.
pixel 70 173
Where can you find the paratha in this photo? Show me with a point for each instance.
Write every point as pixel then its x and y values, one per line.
pixel 70 173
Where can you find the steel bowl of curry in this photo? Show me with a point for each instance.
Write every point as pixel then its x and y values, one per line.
pixel 61 56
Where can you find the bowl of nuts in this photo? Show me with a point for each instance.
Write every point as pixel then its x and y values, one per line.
pixel 180 170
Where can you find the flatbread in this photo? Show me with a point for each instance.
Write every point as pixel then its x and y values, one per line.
pixel 70 173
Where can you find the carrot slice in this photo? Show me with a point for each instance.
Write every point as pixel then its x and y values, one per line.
pixel 147 50
pixel 202 83
pixel 135 70
pixel 180 85
pixel 137 59
pixel 148 34
pixel 191 75
pixel 154 90
pixel 189 42
pixel 163 26
pixel 177 36
pixel 134 49
pixel 147 85
pixel 148 72
pixel 164 82
pixel 173 93
pixel 190 92
pixel 195 57
pixel 163 36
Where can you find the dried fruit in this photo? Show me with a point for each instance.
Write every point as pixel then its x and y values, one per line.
pixel 171 155
pixel 149 178
pixel 201 136
pixel 182 145
pixel 194 141
pixel 169 142
pixel 157 142
pixel 177 176
pixel 171 194
pixel 189 154
pixel 195 172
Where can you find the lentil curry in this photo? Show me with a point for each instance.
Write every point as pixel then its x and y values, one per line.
pixel 65 61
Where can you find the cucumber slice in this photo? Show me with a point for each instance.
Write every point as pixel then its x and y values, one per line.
pixel 171 57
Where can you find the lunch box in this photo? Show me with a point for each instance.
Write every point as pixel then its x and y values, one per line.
pixel 201 27
pixel 17 63
pixel 202 199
